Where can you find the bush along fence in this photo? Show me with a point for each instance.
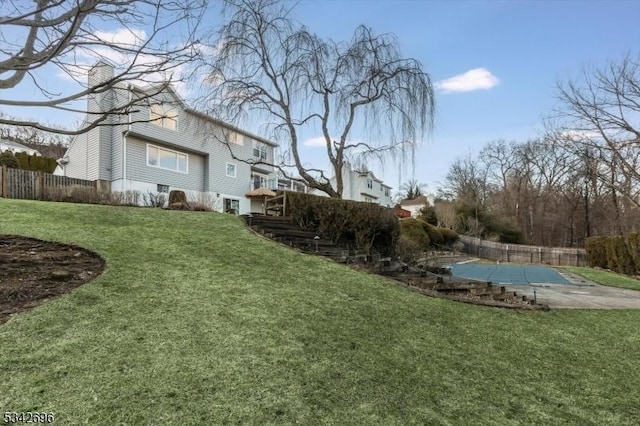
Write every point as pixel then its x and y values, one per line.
pixel 517 253
pixel 32 185
pixel 616 252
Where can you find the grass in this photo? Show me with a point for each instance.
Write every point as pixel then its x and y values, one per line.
pixel 197 321
pixel 607 278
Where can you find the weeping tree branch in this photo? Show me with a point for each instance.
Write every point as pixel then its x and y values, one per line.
pixel 270 69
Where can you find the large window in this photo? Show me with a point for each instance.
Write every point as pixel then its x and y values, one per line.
pixel 260 150
pixel 231 170
pixel 164 158
pixel 165 116
pixel 231 206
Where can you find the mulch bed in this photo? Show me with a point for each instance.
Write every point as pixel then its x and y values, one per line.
pixel 33 270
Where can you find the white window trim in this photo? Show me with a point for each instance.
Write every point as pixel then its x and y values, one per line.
pixel 235 170
pixel 159 121
pixel 149 145
pixel 263 150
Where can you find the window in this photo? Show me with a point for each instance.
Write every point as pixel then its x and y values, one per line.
pixel 369 200
pixel 231 206
pixel 260 150
pixel 164 158
pixel 231 170
pixel 386 192
pixel 235 138
pixel 259 182
pixel 163 188
pixel 164 116
pixel 369 183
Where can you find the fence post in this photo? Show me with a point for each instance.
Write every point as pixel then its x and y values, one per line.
pixel 40 186
pixel 3 190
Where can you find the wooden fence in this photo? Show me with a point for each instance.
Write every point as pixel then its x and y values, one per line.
pixel 30 185
pixel 518 253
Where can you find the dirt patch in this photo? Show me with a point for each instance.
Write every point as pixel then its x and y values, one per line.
pixel 33 270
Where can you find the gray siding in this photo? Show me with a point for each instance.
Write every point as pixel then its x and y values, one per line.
pixel 138 170
pixel 99 153
pixel 200 136
pixel 79 160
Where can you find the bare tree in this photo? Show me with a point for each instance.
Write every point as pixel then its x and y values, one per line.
pixel 269 68
pixel 68 37
pixel 600 111
pixel 411 190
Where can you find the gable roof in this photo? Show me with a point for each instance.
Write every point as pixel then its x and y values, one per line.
pixel 419 201
pixel 181 102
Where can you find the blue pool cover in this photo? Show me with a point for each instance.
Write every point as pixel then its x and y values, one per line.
pixel 508 274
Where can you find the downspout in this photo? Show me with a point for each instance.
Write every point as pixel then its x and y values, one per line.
pixel 124 139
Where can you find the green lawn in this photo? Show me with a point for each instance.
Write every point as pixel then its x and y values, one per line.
pixel 196 321
pixel 605 277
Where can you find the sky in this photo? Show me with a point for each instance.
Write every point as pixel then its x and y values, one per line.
pixel 495 65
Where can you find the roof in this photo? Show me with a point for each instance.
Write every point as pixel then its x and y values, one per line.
pixel 8 144
pixel 201 114
pixel 419 201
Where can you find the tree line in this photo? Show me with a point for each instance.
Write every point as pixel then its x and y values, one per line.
pixel 580 178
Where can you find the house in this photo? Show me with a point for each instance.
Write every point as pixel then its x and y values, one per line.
pixel 400 212
pixel 414 205
pixel 164 145
pixel 15 147
pixel 362 185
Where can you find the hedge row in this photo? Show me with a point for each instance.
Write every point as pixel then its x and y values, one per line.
pixel 24 161
pixel 617 253
pixel 427 235
pixel 366 226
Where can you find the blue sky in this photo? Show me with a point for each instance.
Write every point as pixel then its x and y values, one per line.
pixel 528 46
pixel 512 52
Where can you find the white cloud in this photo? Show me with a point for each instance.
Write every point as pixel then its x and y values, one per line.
pixel 474 79
pixel 577 135
pixel 318 141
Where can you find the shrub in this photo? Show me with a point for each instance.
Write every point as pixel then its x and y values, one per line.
pixel 449 236
pixel 435 237
pixel 633 245
pixel 414 230
pixel 367 226
pixel 36 163
pixel 202 202
pixel 618 257
pixel 126 198
pixel 408 250
pixel 428 214
pixel 154 199
pixel 596 249
pixel 8 159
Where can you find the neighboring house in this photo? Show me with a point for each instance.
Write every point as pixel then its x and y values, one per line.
pixel 15 147
pixel 415 205
pixel 400 212
pixel 165 145
pixel 363 185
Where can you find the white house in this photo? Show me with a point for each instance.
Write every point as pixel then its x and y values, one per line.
pixel 415 205
pixel 166 145
pixel 15 147
pixel 362 185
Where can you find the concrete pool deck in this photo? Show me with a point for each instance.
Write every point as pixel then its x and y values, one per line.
pixel 563 289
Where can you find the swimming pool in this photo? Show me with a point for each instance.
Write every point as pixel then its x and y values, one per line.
pixel 508 274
